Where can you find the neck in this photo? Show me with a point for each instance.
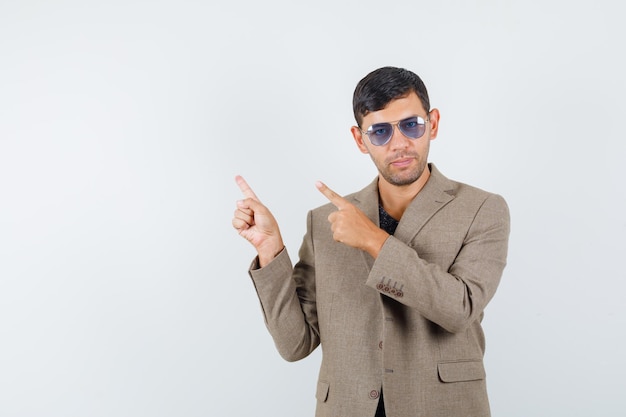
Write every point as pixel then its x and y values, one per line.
pixel 396 198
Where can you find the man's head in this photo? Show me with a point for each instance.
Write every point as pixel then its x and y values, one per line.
pixel 395 125
pixel 380 87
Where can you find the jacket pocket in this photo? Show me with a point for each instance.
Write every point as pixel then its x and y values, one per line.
pixel 322 391
pixel 458 371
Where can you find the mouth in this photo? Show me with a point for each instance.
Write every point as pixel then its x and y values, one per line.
pixel 402 162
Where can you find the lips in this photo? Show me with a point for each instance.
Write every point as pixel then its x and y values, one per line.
pixel 402 162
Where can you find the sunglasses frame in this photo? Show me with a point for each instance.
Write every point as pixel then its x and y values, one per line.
pixel 396 124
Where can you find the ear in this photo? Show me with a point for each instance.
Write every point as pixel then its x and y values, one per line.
pixel 358 138
pixel 434 123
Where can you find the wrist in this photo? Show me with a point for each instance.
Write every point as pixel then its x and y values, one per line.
pixel 375 244
pixel 266 255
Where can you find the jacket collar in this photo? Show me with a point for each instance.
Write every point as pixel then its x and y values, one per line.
pixel 437 192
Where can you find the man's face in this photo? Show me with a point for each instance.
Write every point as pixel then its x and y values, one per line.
pixel 402 160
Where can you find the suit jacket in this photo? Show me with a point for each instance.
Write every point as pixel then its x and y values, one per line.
pixel 407 322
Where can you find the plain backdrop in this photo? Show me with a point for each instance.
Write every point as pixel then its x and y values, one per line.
pixel 123 286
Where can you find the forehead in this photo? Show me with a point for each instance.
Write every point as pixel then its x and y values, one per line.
pixel 398 109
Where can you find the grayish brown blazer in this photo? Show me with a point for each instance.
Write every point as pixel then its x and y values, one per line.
pixel 408 322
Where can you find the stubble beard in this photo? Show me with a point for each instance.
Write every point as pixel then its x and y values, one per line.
pixel 402 177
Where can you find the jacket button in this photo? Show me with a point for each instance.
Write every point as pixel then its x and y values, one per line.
pixel 380 344
pixel 379 286
pixel 373 394
pixel 399 294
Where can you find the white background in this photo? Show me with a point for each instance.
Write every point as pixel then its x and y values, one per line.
pixel 123 287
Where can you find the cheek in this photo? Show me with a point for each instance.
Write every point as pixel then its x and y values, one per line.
pixel 378 159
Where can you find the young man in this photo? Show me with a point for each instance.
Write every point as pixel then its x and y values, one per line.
pixel 392 280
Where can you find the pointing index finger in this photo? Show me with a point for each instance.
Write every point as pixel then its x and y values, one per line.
pixel 245 188
pixel 332 196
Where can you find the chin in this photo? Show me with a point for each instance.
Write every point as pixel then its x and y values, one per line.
pixel 403 183
pixel 402 178
pixel 400 181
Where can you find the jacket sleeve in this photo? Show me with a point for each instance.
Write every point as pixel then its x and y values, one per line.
pixel 451 297
pixel 287 297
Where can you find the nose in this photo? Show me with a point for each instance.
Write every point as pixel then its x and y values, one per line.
pixel 398 139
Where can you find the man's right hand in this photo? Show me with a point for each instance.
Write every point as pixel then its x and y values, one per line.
pixel 257 225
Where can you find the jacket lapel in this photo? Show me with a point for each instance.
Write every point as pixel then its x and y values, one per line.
pixel 367 201
pixel 437 192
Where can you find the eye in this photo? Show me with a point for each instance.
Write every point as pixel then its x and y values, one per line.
pixel 379 130
pixel 410 123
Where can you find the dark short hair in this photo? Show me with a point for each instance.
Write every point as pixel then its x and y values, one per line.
pixel 384 85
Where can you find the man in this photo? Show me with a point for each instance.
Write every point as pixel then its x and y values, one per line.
pixel 392 280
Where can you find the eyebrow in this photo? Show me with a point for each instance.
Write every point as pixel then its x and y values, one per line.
pixel 396 121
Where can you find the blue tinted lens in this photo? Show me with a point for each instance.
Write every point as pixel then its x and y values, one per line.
pixel 380 133
pixel 413 127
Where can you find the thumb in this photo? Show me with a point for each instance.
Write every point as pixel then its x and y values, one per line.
pixel 251 204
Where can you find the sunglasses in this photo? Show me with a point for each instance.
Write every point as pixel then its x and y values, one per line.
pixel 380 133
